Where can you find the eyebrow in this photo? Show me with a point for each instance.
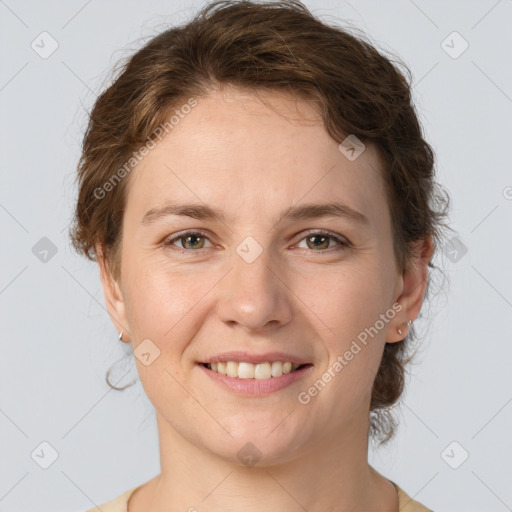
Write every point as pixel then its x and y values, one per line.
pixel 294 213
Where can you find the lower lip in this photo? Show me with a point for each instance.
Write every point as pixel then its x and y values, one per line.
pixel 256 387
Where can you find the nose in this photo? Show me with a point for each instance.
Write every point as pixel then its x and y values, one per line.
pixel 255 296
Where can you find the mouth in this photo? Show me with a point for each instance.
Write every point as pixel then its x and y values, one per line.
pixel 255 379
pixel 260 371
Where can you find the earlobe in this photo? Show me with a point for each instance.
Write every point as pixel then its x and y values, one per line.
pixel 400 332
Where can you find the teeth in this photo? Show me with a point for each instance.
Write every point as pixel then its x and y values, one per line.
pixel 244 370
pixel 259 371
pixel 277 369
pixel 232 369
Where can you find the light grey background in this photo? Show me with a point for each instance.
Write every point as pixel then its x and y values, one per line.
pixel 57 340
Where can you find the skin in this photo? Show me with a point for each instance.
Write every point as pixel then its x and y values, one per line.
pixel 253 159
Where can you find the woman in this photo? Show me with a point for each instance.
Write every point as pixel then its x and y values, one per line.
pixel 257 192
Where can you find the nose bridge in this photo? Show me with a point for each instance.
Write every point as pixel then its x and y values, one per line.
pixel 254 295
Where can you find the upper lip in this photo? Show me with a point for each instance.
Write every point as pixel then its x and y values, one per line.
pixel 251 357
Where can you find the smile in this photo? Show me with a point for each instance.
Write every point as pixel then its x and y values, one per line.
pixel 256 380
pixel 244 370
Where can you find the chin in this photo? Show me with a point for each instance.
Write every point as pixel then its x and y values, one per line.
pixel 258 444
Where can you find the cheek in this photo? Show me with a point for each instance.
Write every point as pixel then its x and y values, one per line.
pixel 159 314
pixel 355 339
pixel 350 301
pixel 160 299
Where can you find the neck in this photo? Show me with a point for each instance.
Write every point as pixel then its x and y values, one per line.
pixel 332 474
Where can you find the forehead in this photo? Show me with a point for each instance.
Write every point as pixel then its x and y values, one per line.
pixel 249 154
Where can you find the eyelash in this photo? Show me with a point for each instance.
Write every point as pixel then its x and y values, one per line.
pixel 342 243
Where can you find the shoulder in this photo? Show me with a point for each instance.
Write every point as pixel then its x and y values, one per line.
pixel 407 504
pixel 119 504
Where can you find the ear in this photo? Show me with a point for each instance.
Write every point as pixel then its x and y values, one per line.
pixel 413 292
pixel 113 296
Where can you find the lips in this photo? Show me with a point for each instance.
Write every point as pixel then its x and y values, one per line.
pixel 250 357
pixel 257 375
pixel 253 387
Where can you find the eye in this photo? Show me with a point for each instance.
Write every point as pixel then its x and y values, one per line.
pixel 317 240
pixel 190 240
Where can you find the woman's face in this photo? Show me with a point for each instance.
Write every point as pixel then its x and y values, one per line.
pixel 255 281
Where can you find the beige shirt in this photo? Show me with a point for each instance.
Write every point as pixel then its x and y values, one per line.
pixel 120 504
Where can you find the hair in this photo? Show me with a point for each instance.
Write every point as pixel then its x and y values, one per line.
pixel 276 47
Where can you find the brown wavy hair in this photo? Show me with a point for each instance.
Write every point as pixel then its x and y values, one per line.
pixel 271 46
